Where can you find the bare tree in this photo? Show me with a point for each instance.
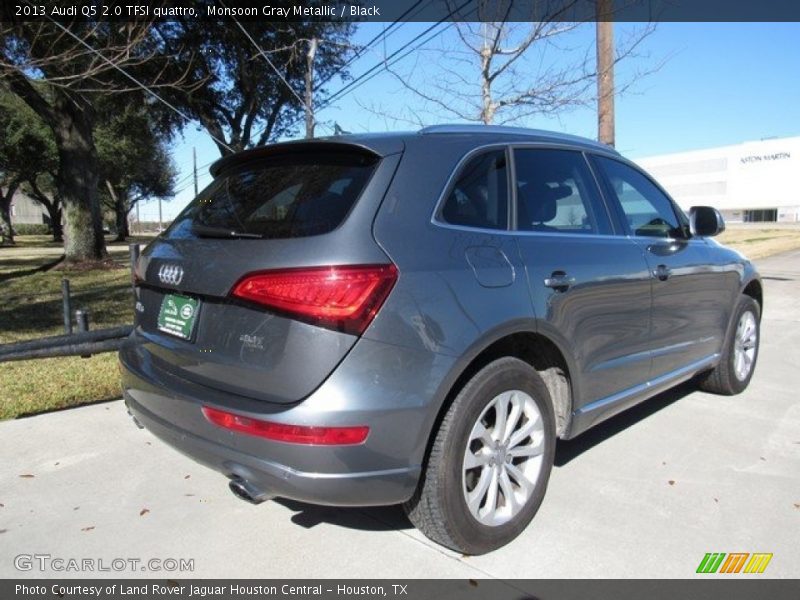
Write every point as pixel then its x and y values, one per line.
pixel 501 72
pixel 58 70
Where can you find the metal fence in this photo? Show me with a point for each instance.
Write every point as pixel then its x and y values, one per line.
pixel 77 339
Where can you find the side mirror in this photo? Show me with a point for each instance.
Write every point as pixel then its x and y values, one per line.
pixel 705 221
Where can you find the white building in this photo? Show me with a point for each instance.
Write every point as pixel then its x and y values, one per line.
pixel 749 182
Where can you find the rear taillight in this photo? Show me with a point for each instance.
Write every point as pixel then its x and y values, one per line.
pixel 292 434
pixel 345 298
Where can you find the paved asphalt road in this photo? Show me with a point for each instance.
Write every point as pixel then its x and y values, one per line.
pixel 644 495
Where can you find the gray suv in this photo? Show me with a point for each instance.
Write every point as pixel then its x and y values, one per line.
pixel 416 318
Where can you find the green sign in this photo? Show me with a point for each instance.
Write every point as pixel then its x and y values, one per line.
pixel 177 315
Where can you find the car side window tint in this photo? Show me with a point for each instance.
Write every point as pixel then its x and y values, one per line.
pixel 556 193
pixel 648 210
pixel 479 197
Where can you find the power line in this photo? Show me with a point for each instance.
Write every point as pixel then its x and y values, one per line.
pixel 376 69
pixel 393 28
pixel 382 35
pixel 355 84
pixel 373 71
pixel 125 73
pixel 266 58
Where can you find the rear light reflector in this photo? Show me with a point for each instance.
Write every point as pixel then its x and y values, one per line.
pixel 345 298
pixel 292 434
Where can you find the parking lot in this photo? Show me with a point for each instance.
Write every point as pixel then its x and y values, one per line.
pixel 646 494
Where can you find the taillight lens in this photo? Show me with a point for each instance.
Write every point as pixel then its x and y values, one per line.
pixel 345 298
pixel 292 434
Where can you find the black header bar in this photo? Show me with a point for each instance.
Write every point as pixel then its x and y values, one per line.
pixel 385 11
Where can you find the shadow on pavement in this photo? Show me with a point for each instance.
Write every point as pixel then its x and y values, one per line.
pixel 373 518
pixel 392 518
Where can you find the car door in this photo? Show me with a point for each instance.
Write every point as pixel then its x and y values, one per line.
pixel 685 320
pixel 590 289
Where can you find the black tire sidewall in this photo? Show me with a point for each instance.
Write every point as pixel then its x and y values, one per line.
pixel 500 376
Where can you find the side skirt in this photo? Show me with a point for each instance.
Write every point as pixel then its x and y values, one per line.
pixel 604 408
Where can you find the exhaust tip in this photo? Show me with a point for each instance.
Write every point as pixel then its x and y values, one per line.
pixel 246 491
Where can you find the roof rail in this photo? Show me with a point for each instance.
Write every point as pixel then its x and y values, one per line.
pixel 502 129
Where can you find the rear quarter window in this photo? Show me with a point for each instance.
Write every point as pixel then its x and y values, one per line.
pixel 479 195
pixel 278 197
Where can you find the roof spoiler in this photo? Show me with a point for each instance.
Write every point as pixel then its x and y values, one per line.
pixel 287 149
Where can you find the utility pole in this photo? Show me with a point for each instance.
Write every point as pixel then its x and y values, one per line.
pixel 194 160
pixel 309 95
pixel 605 72
pixel 160 219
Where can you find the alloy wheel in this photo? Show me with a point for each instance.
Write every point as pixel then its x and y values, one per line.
pixel 503 458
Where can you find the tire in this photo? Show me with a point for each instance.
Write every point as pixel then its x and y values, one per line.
pixel 463 463
pixel 731 376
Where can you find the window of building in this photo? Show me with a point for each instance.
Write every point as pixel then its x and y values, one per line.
pixel 761 215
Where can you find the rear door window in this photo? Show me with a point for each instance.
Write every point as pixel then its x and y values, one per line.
pixel 556 193
pixel 279 197
pixel 479 196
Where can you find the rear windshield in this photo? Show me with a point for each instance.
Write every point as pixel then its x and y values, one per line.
pixel 279 197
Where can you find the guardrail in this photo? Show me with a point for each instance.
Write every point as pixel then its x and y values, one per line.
pixel 82 343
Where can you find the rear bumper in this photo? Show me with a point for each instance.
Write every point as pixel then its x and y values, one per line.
pixel 383 470
pixel 273 479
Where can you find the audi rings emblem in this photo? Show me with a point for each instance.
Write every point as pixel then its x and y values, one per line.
pixel 171 274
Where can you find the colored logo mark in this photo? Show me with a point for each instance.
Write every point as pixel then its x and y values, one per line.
pixel 735 562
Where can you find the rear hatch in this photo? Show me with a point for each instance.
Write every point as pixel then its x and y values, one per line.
pixel 264 282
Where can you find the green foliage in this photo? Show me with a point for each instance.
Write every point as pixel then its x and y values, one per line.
pixel 133 155
pixel 27 147
pixel 240 98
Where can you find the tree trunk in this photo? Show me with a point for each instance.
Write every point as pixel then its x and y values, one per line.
pixel 5 222
pixel 53 206
pixel 487 103
pixel 77 179
pixel 54 210
pixel 309 95
pixel 6 229
pixel 120 213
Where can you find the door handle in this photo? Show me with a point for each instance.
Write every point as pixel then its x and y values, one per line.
pixel 559 281
pixel 662 272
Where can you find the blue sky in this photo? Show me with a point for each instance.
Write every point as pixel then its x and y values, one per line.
pixel 721 83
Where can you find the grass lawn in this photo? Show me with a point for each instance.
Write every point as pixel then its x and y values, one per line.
pixel 30 307
pixel 759 242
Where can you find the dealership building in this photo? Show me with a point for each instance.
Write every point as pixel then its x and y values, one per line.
pixel 749 182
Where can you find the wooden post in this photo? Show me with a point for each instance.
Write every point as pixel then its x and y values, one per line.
pixel 605 73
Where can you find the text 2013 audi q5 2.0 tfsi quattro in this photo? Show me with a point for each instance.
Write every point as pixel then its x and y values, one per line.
pixel 415 318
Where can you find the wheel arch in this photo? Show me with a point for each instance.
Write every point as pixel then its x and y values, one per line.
pixel 755 290
pixel 529 345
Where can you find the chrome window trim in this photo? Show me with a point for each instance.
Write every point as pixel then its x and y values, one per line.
pixel 509 147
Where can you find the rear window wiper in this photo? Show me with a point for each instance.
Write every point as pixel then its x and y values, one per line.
pixel 222 232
